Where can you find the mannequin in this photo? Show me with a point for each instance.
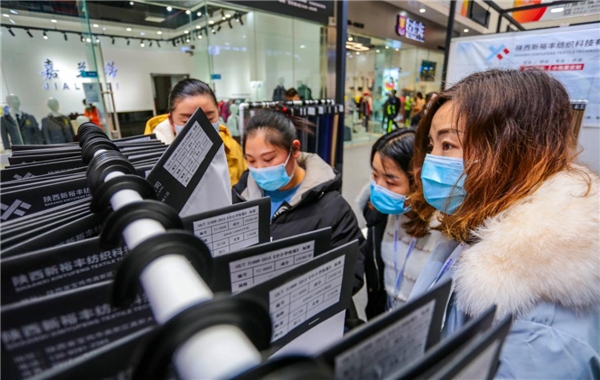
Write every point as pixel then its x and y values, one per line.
pixel 18 127
pixel 233 120
pixel 279 92
pixel 56 128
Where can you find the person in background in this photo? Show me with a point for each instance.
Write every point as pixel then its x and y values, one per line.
pixel 398 241
pixel 92 113
pixel 414 122
pixel 185 98
pixel 391 109
pixel 292 94
pixel 419 104
pixel 304 189
pixel 523 217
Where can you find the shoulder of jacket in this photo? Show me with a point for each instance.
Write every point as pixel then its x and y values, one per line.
pixel 544 248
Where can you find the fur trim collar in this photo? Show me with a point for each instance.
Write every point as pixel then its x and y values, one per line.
pixel 543 249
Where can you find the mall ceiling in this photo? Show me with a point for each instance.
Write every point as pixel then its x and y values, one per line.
pixel 166 15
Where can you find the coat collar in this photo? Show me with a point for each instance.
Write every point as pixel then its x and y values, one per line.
pixel 545 248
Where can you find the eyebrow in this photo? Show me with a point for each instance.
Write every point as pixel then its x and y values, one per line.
pixel 390 176
pixel 446 131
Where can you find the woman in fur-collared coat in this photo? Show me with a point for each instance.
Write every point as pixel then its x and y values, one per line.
pixel 521 218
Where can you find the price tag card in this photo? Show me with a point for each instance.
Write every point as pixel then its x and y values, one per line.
pixel 40 334
pixel 241 270
pixel 230 229
pixel 181 167
pixel 309 294
pixel 391 341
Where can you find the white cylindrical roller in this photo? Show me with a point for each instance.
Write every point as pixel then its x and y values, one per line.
pixel 218 352
pixel 172 284
pixel 140 230
pixel 124 197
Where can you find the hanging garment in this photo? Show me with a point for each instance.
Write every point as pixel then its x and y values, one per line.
pixel 30 130
pixel 11 135
pixel 391 110
pixel 57 129
pixel 305 92
pixel 279 93
pixel 93 114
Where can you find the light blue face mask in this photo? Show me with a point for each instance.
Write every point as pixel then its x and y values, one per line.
pixel 272 177
pixel 443 182
pixel 386 201
pixel 179 128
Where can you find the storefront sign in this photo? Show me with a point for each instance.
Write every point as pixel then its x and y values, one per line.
pixel 89 74
pixel 318 11
pixel 571 55
pixel 215 76
pixel 409 28
pixel 574 9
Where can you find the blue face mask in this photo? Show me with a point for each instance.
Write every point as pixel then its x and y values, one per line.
pixel 386 201
pixel 272 177
pixel 443 182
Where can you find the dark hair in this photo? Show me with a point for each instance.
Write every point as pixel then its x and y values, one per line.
pixel 429 96
pixel 186 88
pixel 280 126
pixel 291 93
pixel 510 146
pixel 399 147
pixel 420 95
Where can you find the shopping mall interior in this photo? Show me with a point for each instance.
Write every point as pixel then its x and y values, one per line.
pixel 94 156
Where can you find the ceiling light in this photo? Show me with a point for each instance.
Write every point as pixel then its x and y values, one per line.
pixel 387 47
pixel 88 40
pixel 169 9
pixel 45 36
pixel 188 40
pixel 557 10
pixel 128 29
pixel 199 14
pixel 350 38
pixel 466 30
pixel 159 32
pixel 54 21
pixel 422 10
pixel 142 44
pixel 11 32
pixel 199 36
pixel 95 25
pixel 81 36
pixel 302 46
pixel 97 40
pixel 397 49
pixel 142 33
pixel 186 31
pixel 29 33
pixel 378 51
pixel 357 53
pixel 211 22
pixel 103 28
pixel 188 12
pixel 223 18
pixel 13 12
pixel 131 3
pixel 5 15
pixel 12 21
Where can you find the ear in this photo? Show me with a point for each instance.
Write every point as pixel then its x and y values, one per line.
pixel 296 149
pixel 170 118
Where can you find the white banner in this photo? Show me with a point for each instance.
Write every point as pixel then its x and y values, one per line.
pixel 570 54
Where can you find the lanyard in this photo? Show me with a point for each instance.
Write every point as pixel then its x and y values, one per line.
pixel 411 248
pixel 451 260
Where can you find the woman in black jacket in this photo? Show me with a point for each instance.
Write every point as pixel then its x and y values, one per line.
pixel 304 189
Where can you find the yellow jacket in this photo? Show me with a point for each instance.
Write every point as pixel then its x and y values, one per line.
pixel 235 157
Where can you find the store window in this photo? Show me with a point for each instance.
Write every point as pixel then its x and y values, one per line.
pixel 375 68
pixel 123 58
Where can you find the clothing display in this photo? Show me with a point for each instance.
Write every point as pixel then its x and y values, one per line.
pixel 92 113
pixel 304 92
pixel 11 134
pixel 57 129
pixel 28 126
pixel 279 93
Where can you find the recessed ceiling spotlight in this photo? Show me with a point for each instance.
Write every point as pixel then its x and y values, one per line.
pixel 211 22
pixel 159 32
pixel 131 3
pixel 128 29
pixel 95 25
pixel 350 38
pixel 186 31
pixel 199 14
pixel 466 30
pixel 45 35
pixel 13 12
pixel 54 21
pixel 5 15
pixel 169 9
pixel 188 12
pixel 422 10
